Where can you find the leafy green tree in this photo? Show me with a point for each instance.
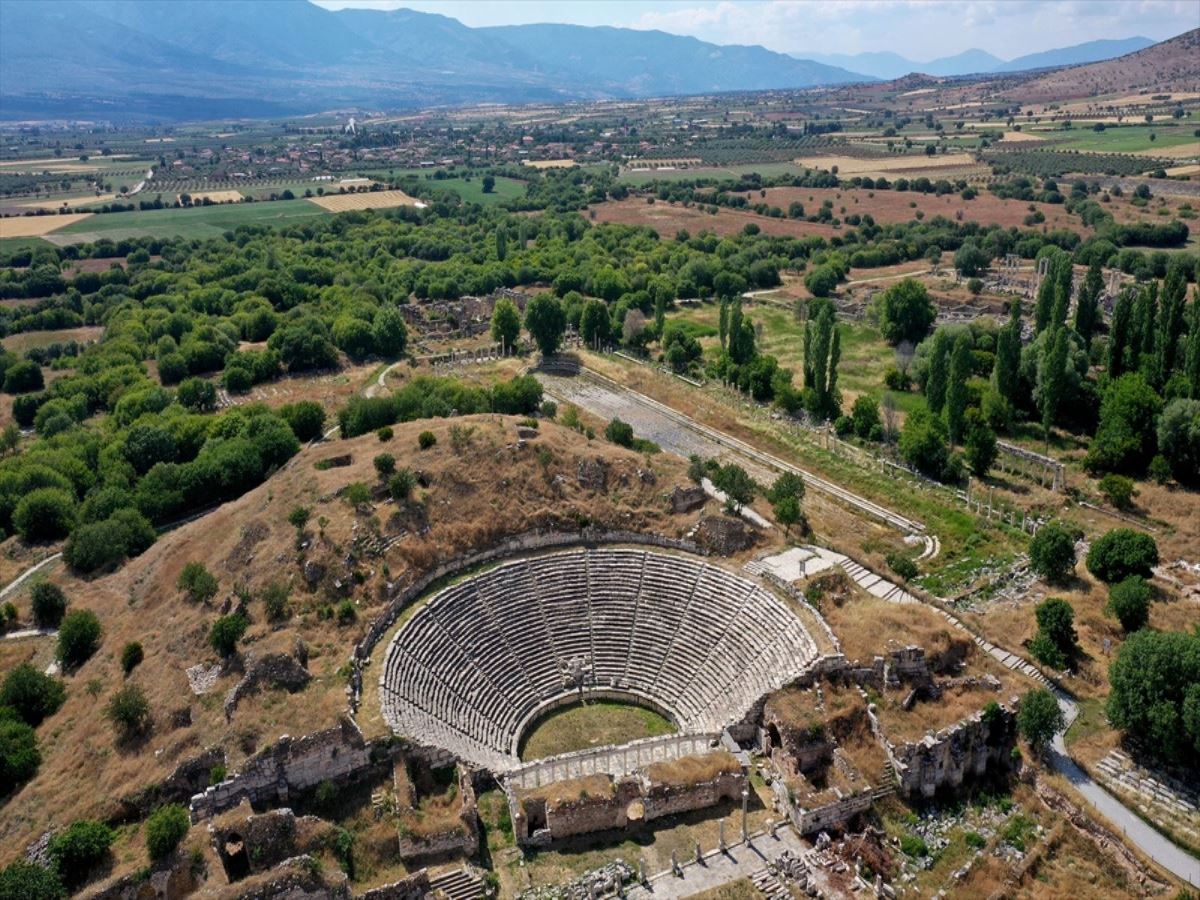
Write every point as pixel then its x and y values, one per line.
pixel 1087 306
pixel 1191 365
pixel 23 377
pixel 78 637
pixel 956 387
pixel 1121 553
pixel 488 183
pixel 31 694
pixel 79 849
pixel 1179 439
pixel 1120 334
pixel 1171 319
pixel 389 334
pixel 1129 601
pixel 165 828
pixel 197 582
pixel 28 881
pixel 1125 437
pixel 197 394
pixel 736 484
pixel 594 323
pixel 19 754
pixel 970 259
pixel 1052 553
pixel 1118 490
pixel 822 353
pixel 1039 717
pixel 306 419
pixel 45 514
pixel 620 433
pixel 400 485
pixel 385 464
pixel 48 603
pixel 865 413
pixel 939 371
pixel 226 632
pixel 545 321
pixel 128 711
pixel 1054 378
pixel 1155 693
pixel 822 281
pixel 923 443
pixel 980 448
pixel 1055 643
pixel 906 312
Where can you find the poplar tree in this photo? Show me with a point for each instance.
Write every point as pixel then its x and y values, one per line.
pixel 939 364
pixel 1006 372
pixel 1120 334
pixel 1191 366
pixel 824 350
pixel 1054 378
pixel 1063 273
pixel 723 324
pixel 1087 310
pixel 956 387
pixel 1170 322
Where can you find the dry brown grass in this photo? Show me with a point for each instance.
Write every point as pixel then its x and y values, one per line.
pixel 364 200
pixel 570 790
pixel 549 163
pixel 26 340
pixel 868 627
pixel 849 166
pixel 475 498
pixel 36 226
pixel 688 770
pixel 216 197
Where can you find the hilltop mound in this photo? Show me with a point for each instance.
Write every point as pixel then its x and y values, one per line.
pixel 480 482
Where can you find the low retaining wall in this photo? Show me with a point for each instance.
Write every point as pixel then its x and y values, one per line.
pixel 619 760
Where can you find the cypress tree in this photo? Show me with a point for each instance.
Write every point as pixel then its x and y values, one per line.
pixel 723 324
pixel 1170 323
pixel 1043 310
pixel 1120 334
pixel 956 387
pixel 1006 372
pixel 1087 310
pixel 1191 366
pixel 939 364
pixel 1063 273
pixel 1054 378
pixel 501 244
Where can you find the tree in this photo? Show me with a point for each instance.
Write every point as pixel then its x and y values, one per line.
pixel 1039 717
pixel 388 332
pixel 197 394
pixel 1179 439
pixel 787 512
pixel 132 655
pixel 385 464
pixel 226 632
pixel 44 514
pixel 306 419
pixel 19 754
pixel 1052 553
pixel 822 345
pixel 1118 490
pixel 1191 365
pixel 1155 693
pixel 902 565
pixel 1129 601
pixel 736 484
pixel 29 881
pixel 1121 553
pixel 594 323
pixel 1125 437
pixel 1170 321
pixel 501 244
pixel 980 448
pixel 1120 334
pixel 128 711
pixel 506 323
pixel 923 443
pixel 489 183
pixel 906 312
pixel 400 485
pixel 939 372
pixel 197 582
pixel 956 386
pixel 1055 643
pixel 822 281
pixel 1054 378
pixel 48 603
pixel 865 413
pixel 80 849
pixel 1087 307
pixel 22 377
pixel 785 496
pixel 620 433
pixel 31 694
pixel 545 321
pixel 165 828
pixel 970 260
pixel 78 637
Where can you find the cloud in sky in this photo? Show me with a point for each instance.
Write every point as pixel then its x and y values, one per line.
pixel 918 29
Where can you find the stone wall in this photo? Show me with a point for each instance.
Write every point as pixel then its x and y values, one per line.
pixel 400 596
pixel 268 778
pixel 462 839
pixel 833 815
pixel 414 887
pixel 189 776
pixel 946 759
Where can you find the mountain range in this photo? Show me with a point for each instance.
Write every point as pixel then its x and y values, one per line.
pixel 887 65
pixel 125 60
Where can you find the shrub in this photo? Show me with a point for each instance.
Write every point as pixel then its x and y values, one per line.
pixel 22 377
pixel 1039 717
pixel 1121 553
pixel 384 434
pixel 275 601
pixel 620 433
pixel 129 712
pixel 923 443
pixel 385 464
pixel 913 845
pixel 1118 490
pixel 1129 601
pixel 19 755
pixel 44 514
pixel 1052 552
pixel 226 632
pixel 29 881
pixel 1155 694
pixel 1159 470
pixel 346 613
pixel 31 694
pixel 306 419
pixel 197 582
pixel 49 604
pixel 902 566
pixel 78 637
pixel 79 849
pixel 426 439
pixel 131 656
pixel 1055 643
pixel 165 828
pixel 843 426
pixel 401 485
pixel 865 415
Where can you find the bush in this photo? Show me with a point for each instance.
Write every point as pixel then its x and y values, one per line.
pixel 1052 553
pixel 79 849
pixel 129 712
pixel 226 632
pixel 45 514
pixel 620 433
pixel 843 426
pixel 346 613
pixel 1118 490
pixel 19 755
pixel 131 656
pixel 49 604
pixel 384 434
pixel 1055 643
pixel 923 443
pixel 913 845
pixel 165 828
pixel 306 419
pixel 275 601
pixel 865 414
pixel 426 439
pixel 385 464
pixel 197 582
pixel 821 281
pixel 401 485
pixel 902 566
pixel 22 377
pixel 78 637
pixel 1121 553
pixel 31 694
pixel 1129 601
pixel 29 881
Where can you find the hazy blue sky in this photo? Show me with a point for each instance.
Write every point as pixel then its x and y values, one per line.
pixel 918 29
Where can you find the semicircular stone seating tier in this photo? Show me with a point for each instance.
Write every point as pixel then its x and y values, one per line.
pixel 485 657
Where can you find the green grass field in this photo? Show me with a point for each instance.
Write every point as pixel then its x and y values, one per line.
pixel 201 222
pixel 1120 138
pixel 764 169
pixel 582 726
pixel 472 191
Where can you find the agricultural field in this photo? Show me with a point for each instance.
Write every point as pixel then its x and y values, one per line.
pixel 336 203
pixel 1125 138
pixel 196 222
pixel 38 226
